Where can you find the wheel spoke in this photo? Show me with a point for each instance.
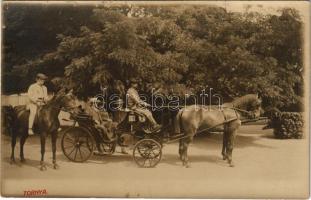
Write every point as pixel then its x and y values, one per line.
pixel 85 146
pixel 80 153
pixel 85 151
pixel 141 162
pixel 77 144
pixel 147 153
pixel 75 154
pixel 71 151
pixel 69 140
pixel 144 162
pixel 154 155
pixel 67 147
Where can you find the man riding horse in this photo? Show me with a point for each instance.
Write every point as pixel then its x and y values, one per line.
pixel 37 94
pixel 136 104
pixel 46 124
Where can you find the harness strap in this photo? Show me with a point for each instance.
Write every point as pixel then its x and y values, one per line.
pixel 236 113
pixel 223 112
pixel 238 109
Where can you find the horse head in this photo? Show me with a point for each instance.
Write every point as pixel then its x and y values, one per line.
pixel 249 105
pixel 65 100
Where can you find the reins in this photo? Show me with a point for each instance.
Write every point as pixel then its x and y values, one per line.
pixel 62 108
pixel 241 110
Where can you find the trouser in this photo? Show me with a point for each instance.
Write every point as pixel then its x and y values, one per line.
pixel 148 114
pixel 33 110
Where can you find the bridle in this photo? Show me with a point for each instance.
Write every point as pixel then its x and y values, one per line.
pixel 251 114
pixel 248 113
pixel 62 108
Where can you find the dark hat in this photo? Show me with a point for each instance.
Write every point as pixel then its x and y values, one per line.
pixel 41 76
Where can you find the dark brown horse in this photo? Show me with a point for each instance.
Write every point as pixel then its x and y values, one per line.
pixel 196 118
pixel 46 122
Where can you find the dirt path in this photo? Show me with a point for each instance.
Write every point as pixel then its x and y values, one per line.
pixel 265 168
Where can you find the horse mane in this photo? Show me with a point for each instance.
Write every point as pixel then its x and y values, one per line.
pixel 54 100
pixel 246 101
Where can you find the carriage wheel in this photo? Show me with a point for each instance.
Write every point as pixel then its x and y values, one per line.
pixel 108 148
pixel 147 153
pixel 77 144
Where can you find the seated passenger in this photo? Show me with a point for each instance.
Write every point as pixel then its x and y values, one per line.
pixel 135 103
pixel 101 118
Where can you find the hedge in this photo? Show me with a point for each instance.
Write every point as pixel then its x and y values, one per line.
pixel 287 125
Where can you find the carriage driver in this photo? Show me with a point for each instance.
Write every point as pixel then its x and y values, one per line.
pixel 37 94
pixel 135 103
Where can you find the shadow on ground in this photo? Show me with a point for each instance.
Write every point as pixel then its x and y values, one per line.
pixel 206 141
pixel 214 141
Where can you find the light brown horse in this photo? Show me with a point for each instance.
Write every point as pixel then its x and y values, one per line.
pixel 197 118
pixel 46 122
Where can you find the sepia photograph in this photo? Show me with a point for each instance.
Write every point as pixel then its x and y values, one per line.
pixel 155 99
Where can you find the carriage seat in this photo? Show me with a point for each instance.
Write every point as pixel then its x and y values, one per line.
pixel 81 116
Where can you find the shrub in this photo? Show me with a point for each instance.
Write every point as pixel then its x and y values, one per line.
pixel 287 125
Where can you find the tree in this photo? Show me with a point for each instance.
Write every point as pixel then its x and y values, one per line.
pixel 175 46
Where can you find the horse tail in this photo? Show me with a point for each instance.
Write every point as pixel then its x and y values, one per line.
pixel 177 122
pixel 9 118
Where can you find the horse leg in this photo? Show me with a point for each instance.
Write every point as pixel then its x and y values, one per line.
pixel 230 144
pixel 224 143
pixel 42 139
pixel 186 143
pixel 54 139
pixel 13 143
pixel 22 142
pixel 181 149
pixel 182 153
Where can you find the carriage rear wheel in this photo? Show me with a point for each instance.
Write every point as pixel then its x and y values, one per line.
pixel 77 144
pixel 147 153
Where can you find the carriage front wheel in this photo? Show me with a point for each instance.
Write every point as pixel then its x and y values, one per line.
pixel 77 144
pixel 147 153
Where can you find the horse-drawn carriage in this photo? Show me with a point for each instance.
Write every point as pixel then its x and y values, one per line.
pixel 81 140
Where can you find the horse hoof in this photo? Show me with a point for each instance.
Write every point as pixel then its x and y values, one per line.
pixel 56 166
pixel 12 161
pixel 43 168
pixel 185 164
pixel 23 160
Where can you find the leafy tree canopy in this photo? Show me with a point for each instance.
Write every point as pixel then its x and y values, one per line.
pixel 188 47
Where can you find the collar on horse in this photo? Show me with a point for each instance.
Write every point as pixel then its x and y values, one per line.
pixel 232 119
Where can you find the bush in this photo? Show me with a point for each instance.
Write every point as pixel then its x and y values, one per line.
pixel 287 125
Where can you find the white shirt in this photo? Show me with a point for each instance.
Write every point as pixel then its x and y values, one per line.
pixel 37 92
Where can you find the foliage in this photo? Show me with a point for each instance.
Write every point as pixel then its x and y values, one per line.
pixel 287 125
pixel 186 46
